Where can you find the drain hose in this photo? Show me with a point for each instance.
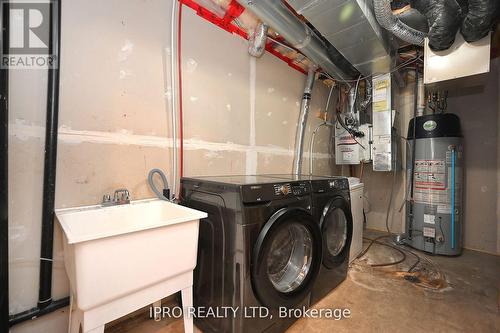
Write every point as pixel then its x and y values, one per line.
pixel 152 185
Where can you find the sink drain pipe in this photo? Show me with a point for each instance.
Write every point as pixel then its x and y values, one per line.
pixel 45 303
pixel 4 176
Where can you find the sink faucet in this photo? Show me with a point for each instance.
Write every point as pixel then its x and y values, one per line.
pixel 120 197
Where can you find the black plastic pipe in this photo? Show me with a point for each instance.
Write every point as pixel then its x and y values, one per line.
pixel 4 174
pixel 37 312
pixel 50 160
pixel 45 303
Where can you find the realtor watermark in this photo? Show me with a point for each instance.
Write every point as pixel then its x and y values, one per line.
pixel 29 44
pixel 163 312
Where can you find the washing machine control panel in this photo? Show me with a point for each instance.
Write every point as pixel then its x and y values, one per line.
pixel 274 191
pixel 282 189
pixel 295 189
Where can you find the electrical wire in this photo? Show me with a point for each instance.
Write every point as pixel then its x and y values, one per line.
pixel 376 241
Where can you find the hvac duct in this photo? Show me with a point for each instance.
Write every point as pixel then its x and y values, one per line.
pixel 301 126
pixel 389 21
pixel 481 16
pixel 443 17
pixel 282 20
pixel 257 40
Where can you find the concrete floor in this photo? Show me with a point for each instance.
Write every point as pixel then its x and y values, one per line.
pixel 448 295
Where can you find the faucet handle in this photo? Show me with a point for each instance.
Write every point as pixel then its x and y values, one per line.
pixel 106 199
pixel 121 195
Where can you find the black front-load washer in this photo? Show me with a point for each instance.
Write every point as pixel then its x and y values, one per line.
pixel 259 247
pixel 332 210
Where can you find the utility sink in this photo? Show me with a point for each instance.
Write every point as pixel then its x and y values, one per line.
pixel 124 257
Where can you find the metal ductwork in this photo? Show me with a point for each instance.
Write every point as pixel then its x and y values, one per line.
pixel 392 23
pixel 281 19
pixel 350 26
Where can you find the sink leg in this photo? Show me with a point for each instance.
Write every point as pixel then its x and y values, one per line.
pixel 187 302
pixel 157 304
pixel 75 316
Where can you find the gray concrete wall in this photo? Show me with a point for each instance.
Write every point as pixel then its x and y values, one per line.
pixel 240 116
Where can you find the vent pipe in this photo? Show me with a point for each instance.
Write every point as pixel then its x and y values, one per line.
pixel 301 126
pixel 283 21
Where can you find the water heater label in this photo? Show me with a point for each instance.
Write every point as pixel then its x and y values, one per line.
pixel 429 232
pixel 430 174
pixel 431 219
pixel 430 125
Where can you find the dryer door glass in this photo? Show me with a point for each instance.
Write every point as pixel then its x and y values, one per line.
pixel 289 260
pixel 335 231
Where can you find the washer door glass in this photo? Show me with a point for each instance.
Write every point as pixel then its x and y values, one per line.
pixel 335 231
pixel 290 256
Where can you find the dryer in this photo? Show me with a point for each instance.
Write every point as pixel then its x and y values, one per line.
pixel 259 247
pixel 332 211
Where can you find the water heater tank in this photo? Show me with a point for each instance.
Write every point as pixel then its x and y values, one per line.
pixel 434 209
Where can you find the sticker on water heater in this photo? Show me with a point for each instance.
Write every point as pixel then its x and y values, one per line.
pixel 431 219
pixel 429 232
pixel 443 209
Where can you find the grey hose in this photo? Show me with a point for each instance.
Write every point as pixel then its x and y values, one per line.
pixel 152 184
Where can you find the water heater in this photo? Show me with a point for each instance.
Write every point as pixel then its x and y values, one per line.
pixel 434 209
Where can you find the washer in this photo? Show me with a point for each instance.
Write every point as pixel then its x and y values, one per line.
pixel 331 209
pixel 259 247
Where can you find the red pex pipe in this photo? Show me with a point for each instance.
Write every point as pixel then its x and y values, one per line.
pixel 232 13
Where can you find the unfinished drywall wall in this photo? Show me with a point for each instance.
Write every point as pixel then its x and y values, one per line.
pixel 240 116
pixel 478 109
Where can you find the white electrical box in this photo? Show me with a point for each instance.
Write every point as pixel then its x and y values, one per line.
pixel 460 60
pixel 350 150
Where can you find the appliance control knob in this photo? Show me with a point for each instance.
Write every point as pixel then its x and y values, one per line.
pixel 284 189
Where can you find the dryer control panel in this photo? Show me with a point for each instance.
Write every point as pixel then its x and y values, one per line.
pixel 276 191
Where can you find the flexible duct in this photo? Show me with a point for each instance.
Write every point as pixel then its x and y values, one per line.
pixel 388 21
pixel 443 17
pixel 481 16
pixel 282 20
pixel 301 127
pixel 257 40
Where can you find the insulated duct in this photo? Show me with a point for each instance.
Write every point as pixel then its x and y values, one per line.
pixel 481 16
pixel 282 20
pixel 301 126
pixel 389 21
pixel 443 17
pixel 257 40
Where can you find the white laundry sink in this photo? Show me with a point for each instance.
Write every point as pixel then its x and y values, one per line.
pixel 124 257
